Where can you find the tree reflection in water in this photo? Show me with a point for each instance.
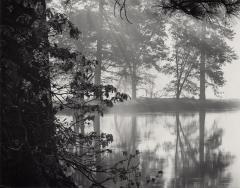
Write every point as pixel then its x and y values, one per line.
pixel 195 156
pixel 203 167
pixel 151 164
pixel 198 159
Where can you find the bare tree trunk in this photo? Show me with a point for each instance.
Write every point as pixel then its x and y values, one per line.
pixel 202 77
pixel 178 76
pixel 134 82
pixel 78 114
pixel 202 67
pixel 178 94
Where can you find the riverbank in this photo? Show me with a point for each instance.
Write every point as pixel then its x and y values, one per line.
pixel 146 105
pixel 172 105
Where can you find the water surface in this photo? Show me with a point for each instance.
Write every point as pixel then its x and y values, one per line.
pixel 180 150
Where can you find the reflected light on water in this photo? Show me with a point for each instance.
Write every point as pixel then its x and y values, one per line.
pixel 192 149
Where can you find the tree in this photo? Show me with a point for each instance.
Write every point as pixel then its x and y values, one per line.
pixel 183 62
pixel 200 9
pixel 141 43
pixel 214 54
pixel 199 54
pixel 208 10
pixel 203 9
pixel 88 99
pixel 34 145
pixel 120 41
pixel 28 148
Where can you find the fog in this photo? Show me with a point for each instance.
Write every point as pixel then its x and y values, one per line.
pixel 232 87
pixel 120 93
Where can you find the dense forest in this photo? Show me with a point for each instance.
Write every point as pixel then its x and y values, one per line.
pixel 87 55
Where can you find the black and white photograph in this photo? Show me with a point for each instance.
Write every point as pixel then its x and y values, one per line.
pixel 120 93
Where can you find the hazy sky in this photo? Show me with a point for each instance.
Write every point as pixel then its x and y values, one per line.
pixel 232 71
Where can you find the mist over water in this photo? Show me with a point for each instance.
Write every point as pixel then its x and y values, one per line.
pixel 197 149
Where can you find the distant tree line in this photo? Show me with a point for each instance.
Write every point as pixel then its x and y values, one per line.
pixel 136 48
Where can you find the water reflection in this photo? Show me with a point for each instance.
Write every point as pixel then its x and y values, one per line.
pixel 195 154
pixel 200 164
pixel 180 150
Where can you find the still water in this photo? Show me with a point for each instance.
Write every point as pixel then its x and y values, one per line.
pixel 180 150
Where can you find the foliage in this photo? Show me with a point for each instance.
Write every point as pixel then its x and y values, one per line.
pixel 129 50
pixel 200 9
pixel 33 142
pixel 27 141
pixel 143 44
pixel 203 9
pixel 191 40
pixel 85 98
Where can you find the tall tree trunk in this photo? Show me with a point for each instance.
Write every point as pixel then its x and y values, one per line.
pixel 97 80
pixel 28 152
pixel 178 93
pixel 78 114
pixel 203 66
pixel 134 82
pixel 99 45
pixel 177 75
pixel 202 77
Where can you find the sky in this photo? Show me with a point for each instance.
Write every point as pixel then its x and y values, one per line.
pixel 232 71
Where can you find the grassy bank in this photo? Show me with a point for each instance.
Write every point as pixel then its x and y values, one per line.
pixel 170 105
